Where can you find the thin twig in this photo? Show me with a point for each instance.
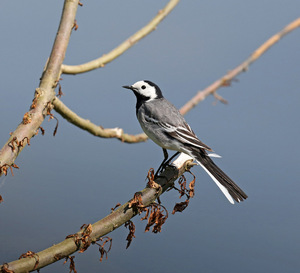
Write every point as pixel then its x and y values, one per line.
pixel 227 79
pixel 94 129
pixel 128 43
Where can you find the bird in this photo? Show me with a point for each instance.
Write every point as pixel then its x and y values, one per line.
pixel 163 124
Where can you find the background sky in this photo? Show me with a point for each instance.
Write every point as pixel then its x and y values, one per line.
pixel 75 178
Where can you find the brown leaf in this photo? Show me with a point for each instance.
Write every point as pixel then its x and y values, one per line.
pixel 56 127
pixel 116 206
pixel 72 263
pixel 75 26
pixel 1 199
pixel 85 239
pixel 42 130
pixel 130 225
pixel 26 118
pixel 5 269
pixel 192 186
pixel 158 216
pixel 136 201
pixel 102 250
pixel 181 206
pixel 31 254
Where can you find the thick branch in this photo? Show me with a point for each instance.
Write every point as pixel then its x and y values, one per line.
pixel 94 129
pixel 44 94
pixel 100 62
pixel 226 80
pixel 105 225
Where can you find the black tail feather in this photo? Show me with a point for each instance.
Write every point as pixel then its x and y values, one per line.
pixel 234 190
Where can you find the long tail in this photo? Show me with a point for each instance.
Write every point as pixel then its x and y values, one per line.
pixel 226 185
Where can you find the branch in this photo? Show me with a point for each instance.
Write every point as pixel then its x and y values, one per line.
pixel 102 61
pixel 210 90
pixel 44 94
pixel 102 227
pixel 92 128
pixel 226 80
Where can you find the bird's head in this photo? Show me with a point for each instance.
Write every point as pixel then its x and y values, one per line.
pixel 145 90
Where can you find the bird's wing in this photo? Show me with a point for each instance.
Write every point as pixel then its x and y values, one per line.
pixel 173 122
pixel 186 135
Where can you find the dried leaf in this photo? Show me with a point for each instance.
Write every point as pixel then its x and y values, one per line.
pixel 75 26
pixel 85 237
pixel 72 263
pixel 56 127
pixel 136 201
pixel 102 250
pixel 116 206
pixel 82 239
pixel 31 254
pixel 26 118
pixel 42 130
pixel 180 206
pixel 130 225
pixel 5 269
pixel 158 216
pixel 192 186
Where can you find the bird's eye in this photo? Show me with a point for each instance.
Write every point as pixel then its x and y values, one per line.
pixel 143 87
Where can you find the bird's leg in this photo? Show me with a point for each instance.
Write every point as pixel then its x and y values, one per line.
pixel 165 161
pixel 171 158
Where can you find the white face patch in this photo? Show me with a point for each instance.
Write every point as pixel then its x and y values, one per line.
pixel 145 89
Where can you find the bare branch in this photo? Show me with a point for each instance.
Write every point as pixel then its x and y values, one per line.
pixel 92 128
pixel 117 218
pixel 210 90
pixel 44 94
pixel 227 79
pixel 102 61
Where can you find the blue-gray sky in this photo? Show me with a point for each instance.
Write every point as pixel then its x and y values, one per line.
pixel 75 178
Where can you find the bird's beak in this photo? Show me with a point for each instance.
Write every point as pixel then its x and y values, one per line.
pixel 127 87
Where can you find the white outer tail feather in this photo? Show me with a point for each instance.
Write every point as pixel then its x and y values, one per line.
pixel 221 187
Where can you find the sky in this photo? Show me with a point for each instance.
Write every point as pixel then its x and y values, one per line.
pixel 75 178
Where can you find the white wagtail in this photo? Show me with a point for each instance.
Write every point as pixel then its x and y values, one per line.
pixel 163 123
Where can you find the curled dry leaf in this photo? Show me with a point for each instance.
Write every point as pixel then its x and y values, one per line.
pixel 82 239
pixel 85 237
pixel 102 250
pixel 180 206
pixel 189 193
pixel 136 201
pixel 42 130
pixel 26 118
pixel 5 269
pixel 4 168
pixel 72 263
pixel 130 225
pixel 75 26
pixel 192 186
pixel 156 217
pixel 31 254
pixel 116 206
